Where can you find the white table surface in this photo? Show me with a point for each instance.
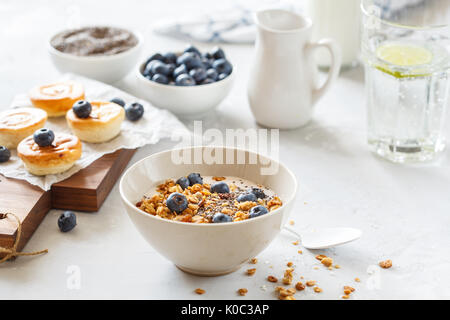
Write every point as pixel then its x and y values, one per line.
pixel 403 211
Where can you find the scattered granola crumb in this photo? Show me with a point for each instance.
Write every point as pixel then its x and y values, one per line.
pixel 289 264
pixel 284 293
pixel 272 279
pixel 287 279
pixel 310 283
pixel 317 289
pixel 357 280
pixel 300 286
pixel 263 287
pixel 386 264
pixel 287 298
pixel 295 243
pixel 242 291
pixel 320 257
pixel 218 178
pixel 199 291
pixel 300 251
pixel 291 222
pixel 302 277
pixel 316 268
pixel 345 296
pixel 330 268
pixel 251 272
pixel 327 262
pixel 337 266
pixel 254 261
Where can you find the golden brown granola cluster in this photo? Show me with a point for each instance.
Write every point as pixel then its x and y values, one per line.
pixel 202 203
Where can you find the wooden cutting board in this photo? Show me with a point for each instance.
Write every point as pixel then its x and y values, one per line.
pixel 84 191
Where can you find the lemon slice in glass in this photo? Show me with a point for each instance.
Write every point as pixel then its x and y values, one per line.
pixel 404 54
pixel 400 55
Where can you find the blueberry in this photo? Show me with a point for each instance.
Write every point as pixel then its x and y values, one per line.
pixel 195 178
pixel 212 74
pixel 67 221
pixel 246 197
pixel 257 192
pixel 180 70
pixel 5 154
pixel 43 137
pixel 118 101
pixel 222 66
pixel 160 78
pixel 134 111
pixel 207 55
pixel 161 68
pixel 183 182
pixel 177 202
pixel 190 60
pixel 184 80
pixel 218 53
pixel 207 63
pixel 170 57
pixel 221 217
pixel 156 56
pixel 220 187
pixel 257 211
pixel 198 74
pixel 82 109
pixel 148 68
pixel 221 76
pixel 207 81
pixel 192 49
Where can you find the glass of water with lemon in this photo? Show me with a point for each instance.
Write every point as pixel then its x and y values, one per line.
pixel 406 52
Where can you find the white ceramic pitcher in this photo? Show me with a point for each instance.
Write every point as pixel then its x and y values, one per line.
pixel 282 88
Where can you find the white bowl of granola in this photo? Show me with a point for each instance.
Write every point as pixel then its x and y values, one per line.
pixel 194 237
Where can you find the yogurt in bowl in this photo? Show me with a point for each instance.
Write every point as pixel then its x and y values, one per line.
pixel 208 249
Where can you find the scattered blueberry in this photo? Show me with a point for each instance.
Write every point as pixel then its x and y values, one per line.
pixel 170 57
pixel 82 109
pixel 43 137
pixel 221 217
pixel 221 76
pixel 193 49
pixel 218 53
pixel 160 78
pixel 134 111
pixel 195 178
pixel 183 182
pixel 257 211
pixel 184 80
pixel 207 81
pixel 180 70
pixel 177 202
pixel 246 197
pixel 220 187
pixel 212 74
pixel 257 192
pixel 198 74
pixel 222 66
pixel 118 101
pixel 67 221
pixel 5 154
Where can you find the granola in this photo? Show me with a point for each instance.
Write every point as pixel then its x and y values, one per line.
pixel 207 203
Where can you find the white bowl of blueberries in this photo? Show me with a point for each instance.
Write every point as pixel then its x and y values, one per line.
pixel 189 83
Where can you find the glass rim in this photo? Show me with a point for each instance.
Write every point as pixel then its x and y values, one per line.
pixel 399 25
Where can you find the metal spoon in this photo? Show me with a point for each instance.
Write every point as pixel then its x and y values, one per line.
pixel 323 238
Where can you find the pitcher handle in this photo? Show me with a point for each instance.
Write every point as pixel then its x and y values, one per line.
pixel 335 66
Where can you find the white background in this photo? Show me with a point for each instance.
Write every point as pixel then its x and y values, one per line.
pixel 404 211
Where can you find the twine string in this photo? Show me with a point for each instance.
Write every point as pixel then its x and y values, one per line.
pixel 12 252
